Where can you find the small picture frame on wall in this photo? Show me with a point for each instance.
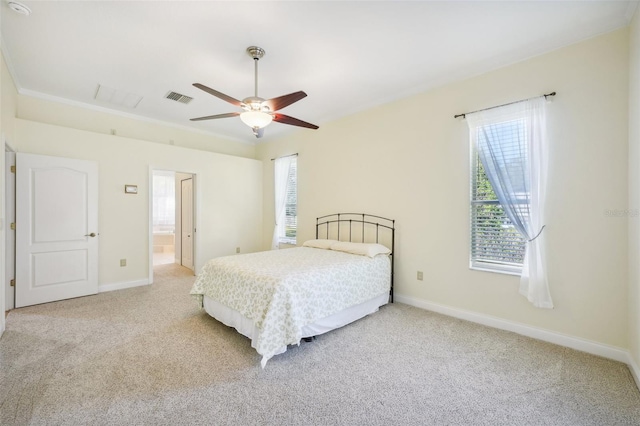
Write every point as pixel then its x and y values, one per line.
pixel 131 189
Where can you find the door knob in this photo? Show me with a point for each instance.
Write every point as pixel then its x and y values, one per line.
pixel 93 234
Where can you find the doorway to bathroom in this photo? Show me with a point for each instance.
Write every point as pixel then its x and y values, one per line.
pixel 173 218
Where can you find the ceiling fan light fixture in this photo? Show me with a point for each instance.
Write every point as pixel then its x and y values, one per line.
pixel 257 112
pixel 255 119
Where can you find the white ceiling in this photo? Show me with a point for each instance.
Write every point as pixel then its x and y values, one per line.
pixel 347 56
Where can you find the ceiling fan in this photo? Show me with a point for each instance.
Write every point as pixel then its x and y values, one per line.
pixel 257 112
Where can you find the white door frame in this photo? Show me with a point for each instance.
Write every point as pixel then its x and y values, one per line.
pixel 9 234
pixel 3 227
pixel 195 216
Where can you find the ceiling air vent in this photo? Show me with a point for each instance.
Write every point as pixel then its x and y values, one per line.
pixel 178 97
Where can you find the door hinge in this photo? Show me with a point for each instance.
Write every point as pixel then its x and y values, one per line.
pixel 13 169
pixel 12 283
pixel 13 226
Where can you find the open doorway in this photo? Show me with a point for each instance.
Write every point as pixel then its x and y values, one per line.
pixel 164 217
pixel 172 219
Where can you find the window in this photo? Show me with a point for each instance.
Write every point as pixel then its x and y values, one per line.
pixel 164 202
pixel 287 232
pixel 509 179
pixel 496 244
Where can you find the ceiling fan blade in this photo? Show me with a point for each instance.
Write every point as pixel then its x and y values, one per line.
pixel 218 94
pixel 283 101
pixel 285 119
pixel 211 117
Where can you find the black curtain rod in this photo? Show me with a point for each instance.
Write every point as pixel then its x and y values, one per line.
pixel 285 156
pixel 463 115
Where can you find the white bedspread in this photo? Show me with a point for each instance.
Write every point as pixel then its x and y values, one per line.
pixel 281 291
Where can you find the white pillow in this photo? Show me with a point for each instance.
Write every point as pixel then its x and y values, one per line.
pixel 321 244
pixel 362 249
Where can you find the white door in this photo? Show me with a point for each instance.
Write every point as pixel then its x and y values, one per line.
pixel 56 228
pixel 187 223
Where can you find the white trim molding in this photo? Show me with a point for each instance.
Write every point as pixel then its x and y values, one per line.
pixel 9 63
pixel 635 370
pixel 132 116
pixel 588 346
pixel 102 288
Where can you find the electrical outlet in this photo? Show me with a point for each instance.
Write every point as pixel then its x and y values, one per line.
pixel 123 262
pixel 237 249
pixel 420 276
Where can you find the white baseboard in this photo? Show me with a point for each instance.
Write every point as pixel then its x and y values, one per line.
pixel 595 348
pixel 635 371
pixel 122 285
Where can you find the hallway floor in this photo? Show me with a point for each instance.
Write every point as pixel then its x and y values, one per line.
pixel 163 258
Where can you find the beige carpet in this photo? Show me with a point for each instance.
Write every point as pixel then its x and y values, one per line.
pixel 148 355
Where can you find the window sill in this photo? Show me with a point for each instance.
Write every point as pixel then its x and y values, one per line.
pixel 496 269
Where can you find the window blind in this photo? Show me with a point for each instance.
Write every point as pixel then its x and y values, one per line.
pixel 495 242
pixel 288 234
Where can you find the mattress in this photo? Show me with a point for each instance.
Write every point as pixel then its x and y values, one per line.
pixel 281 292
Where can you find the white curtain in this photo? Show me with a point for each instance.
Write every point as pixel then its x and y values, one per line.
pixel 282 166
pixel 513 147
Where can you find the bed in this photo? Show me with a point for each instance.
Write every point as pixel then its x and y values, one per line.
pixel 278 297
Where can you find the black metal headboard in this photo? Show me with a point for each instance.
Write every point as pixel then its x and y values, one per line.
pixel 367 229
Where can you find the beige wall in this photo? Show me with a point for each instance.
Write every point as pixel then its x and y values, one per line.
pixel 60 114
pixel 409 160
pixel 634 190
pixel 228 191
